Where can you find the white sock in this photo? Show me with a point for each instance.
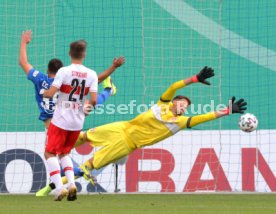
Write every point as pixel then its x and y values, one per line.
pixel 67 167
pixel 54 170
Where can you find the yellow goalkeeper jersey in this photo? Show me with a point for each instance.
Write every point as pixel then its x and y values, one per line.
pixel 159 122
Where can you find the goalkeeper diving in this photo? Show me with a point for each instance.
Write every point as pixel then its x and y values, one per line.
pixel 163 120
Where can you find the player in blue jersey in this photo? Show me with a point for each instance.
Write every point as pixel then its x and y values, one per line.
pixel 43 82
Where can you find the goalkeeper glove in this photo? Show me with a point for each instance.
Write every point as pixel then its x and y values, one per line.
pixel 204 74
pixel 236 107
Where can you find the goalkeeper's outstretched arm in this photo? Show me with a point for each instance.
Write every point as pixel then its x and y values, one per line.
pixel 234 107
pixel 204 74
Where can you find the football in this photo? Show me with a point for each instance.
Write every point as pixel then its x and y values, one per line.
pixel 248 122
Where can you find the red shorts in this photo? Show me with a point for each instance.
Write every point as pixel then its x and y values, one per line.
pixel 60 141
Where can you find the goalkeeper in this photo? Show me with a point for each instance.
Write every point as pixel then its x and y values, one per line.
pixel 163 120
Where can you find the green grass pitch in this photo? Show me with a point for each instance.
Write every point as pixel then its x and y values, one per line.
pixel 141 203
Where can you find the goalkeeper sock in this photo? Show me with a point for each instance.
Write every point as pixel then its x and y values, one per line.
pixel 64 180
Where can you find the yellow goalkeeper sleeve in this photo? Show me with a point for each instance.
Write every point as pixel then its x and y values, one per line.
pixel 169 93
pixel 198 119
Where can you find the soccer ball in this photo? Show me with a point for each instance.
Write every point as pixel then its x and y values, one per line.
pixel 248 122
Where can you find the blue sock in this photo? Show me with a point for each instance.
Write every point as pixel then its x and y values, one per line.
pixel 103 96
pixel 62 172
pixel 77 172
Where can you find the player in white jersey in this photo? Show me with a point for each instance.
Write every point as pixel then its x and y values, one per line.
pixel 74 83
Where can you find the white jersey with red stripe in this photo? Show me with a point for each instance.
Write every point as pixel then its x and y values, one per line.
pixel 74 82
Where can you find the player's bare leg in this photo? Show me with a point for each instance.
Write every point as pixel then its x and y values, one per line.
pixel 47 123
pixel 47 189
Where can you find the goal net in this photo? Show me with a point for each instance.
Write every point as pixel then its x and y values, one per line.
pixel 163 41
